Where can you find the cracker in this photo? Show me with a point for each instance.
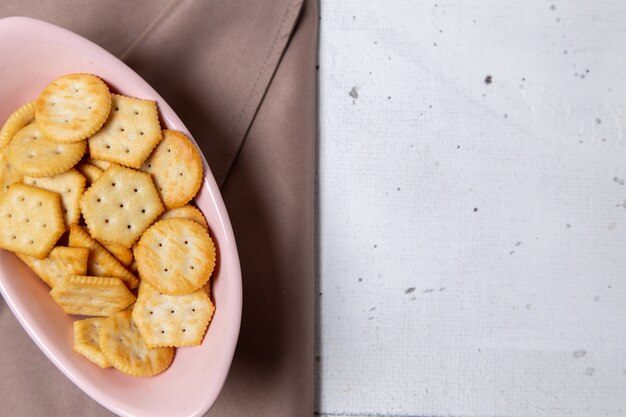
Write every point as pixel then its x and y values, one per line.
pixel 34 154
pixel 176 167
pixel 73 107
pixel 123 254
pixel 100 263
pixel 8 175
pixel 31 220
pixel 92 296
pixel 70 186
pixel 130 133
pixel 16 121
pixel 186 212
pixel 172 320
pixel 87 341
pixel 90 172
pixel 127 351
pixel 176 256
pixel 103 165
pixel 120 205
pixel 60 262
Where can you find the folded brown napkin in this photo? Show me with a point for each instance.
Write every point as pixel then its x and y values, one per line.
pixel 241 76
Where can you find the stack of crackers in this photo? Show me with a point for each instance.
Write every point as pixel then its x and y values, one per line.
pixel 95 199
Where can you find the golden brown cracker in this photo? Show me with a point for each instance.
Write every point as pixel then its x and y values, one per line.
pixel 123 254
pixel 16 121
pixel 90 172
pixel 70 185
pixel 103 165
pixel 186 212
pixel 8 175
pixel 130 133
pixel 34 154
pixel 120 205
pixel 101 262
pixel 31 220
pixel 92 296
pixel 60 262
pixel 176 167
pixel 73 107
pixel 87 341
pixel 172 320
pixel 176 256
pixel 126 350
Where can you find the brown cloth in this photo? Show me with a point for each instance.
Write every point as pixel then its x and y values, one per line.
pixel 241 75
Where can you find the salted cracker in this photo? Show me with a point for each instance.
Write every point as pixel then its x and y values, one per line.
pixel 127 351
pixel 101 262
pixel 172 320
pixel 70 185
pixel 19 119
pixel 176 256
pixel 34 154
pixel 90 172
pixel 186 212
pixel 130 133
pixel 92 296
pixel 8 175
pixel 123 254
pixel 120 205
pixel 31 220
pixel 73 107
pixel 87 341
pixel 61 262
pixel 176 167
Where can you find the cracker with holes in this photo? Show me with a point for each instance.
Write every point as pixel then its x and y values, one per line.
pixel 34 154
pixel 92 296
pixel 31 220
pixel 70 186
pixel 172 320
pixel 186 212
pixel 73 107
pixel 90 172
pixel 127 351
pixel 87 341
pixel 16 121
pixel 100 263
pixel 60 263
pixel 130 133
pixel 8 175
pixel 176 167
pixel 176 256
pixel 120 205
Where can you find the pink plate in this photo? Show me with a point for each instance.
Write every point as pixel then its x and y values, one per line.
pixel 34 53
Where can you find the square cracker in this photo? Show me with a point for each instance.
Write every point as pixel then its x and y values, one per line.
pixel 92 296
pixel 100 263
pixel 70 186
pixel 60 262
pixel 130 133
pixel 31 220
pixel 127 351
pixel 87 341
pixel 120 205
pixel 172 320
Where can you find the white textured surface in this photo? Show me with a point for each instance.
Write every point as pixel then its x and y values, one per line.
pixel 472 235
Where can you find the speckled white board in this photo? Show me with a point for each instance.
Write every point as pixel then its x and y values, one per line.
pixel 472 206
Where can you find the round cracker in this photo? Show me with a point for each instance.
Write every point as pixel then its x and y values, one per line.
pixel 16 121
pixel 186 212
pixel 176 167
pixel 176 256
pixel 73 107
pixel 33 154
pixel 125 349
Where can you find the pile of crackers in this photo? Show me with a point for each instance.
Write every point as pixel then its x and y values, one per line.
pixel 95 199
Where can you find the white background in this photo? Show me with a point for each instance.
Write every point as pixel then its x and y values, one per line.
pixel 472 235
